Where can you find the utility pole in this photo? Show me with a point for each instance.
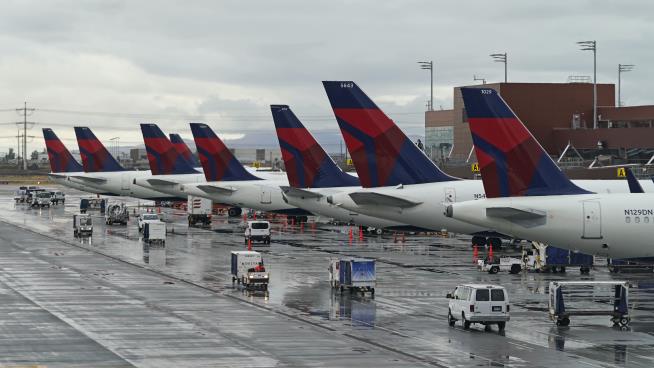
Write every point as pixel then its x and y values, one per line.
pixel 25 110
pixel 622 68
pixel 502 58
pixel 592 46
pixel 429 65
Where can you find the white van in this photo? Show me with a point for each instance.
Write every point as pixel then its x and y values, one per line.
pixel 258 231
pixel 475 303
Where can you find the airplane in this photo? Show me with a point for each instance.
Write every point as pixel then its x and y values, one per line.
pixel 527 195
pixel 175 157
pixel 227 181
pixel 400 183
pixel 183 149
pixel 103 172
pixel 63 164
pixel 313 175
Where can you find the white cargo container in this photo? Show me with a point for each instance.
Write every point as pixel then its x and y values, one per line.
pixel 199 211
pixel 247 269
pixel 154 232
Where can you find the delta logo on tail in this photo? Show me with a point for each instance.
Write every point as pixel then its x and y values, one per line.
pixel 218 162
pixel 383 155
pixel 164 159
pixel 182 149
pixel 95 157
pixel 307 164
pixel 511 161
pixel 61 161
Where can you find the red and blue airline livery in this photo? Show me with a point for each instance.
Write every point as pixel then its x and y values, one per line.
pixel 307 163
pixel 511 161
pixel 383 155
pixel 217 160
pixel 183 149
pixel 95 157
pixel 61 161
pixel 164 158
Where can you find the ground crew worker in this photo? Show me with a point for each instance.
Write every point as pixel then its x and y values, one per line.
pixel 259 267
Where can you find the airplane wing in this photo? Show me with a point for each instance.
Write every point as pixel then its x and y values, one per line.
pixel 526 217
pixel 377 199
pixel 91 180
pixel 161 182
pixel 216 189
pixel 57 176
pixel 301 193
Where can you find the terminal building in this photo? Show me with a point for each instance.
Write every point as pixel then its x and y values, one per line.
pixel 560 116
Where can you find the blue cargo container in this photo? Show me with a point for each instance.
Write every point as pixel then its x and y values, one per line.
pixel 557 259
pixel 354 273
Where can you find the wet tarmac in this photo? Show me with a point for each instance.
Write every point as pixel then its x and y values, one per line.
pixel 112 301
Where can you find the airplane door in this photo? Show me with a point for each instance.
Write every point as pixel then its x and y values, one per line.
pixel 266 197
pixel 124 182
pixel 450 195
pixel 592 220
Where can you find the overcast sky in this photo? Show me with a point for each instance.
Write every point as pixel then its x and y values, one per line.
pixel 118 63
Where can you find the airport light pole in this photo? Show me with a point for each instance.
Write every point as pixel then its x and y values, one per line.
pixel 622 68
pixel 429 65
pixel 592 46
pixel 501 58
pixel 476 78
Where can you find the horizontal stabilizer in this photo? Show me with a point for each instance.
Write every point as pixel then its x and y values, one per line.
pixel 525 217
pixel 91 179
pixel 216 189
pixel 299 193
pixel 377 199
pixel 161 182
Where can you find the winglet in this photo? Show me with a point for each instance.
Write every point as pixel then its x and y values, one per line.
pixel 217 160
pixel 95 157
pixel 383 155
pixel 511 161
pixel 307 163
pixel 61 161
pixel 164 159
pixel 634 185
pixel 182 148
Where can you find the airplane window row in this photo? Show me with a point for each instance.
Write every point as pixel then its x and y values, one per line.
pixel 637 219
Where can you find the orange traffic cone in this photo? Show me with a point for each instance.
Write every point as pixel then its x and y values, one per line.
pixel 360 233
pixel 475 254
pixel 351 236
pixel 249 244
pixel 490 253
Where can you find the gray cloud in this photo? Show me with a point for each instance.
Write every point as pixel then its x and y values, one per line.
pixel 225 62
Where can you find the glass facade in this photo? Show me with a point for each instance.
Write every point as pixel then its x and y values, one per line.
pixel 439 141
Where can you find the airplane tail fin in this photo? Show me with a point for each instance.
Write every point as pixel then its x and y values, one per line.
pixel 634 184
pixel 383 155
pixel 182 148
pixel 95 157
pixel 61 161
pixel 307 163
pixel 511 161
pixel 217 160
pixel 162 155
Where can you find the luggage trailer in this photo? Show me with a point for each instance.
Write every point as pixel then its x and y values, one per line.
pixel 612 296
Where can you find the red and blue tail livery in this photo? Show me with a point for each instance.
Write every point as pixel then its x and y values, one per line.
pixel 307 163
pixel 95 157
pixel 182 149
pixel 511 161
pixel 164 159
pixel 61 161
pixel 383 155
pixel 217 160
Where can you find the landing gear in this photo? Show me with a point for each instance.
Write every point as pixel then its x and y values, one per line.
pixel 565 321
pixel 494 242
